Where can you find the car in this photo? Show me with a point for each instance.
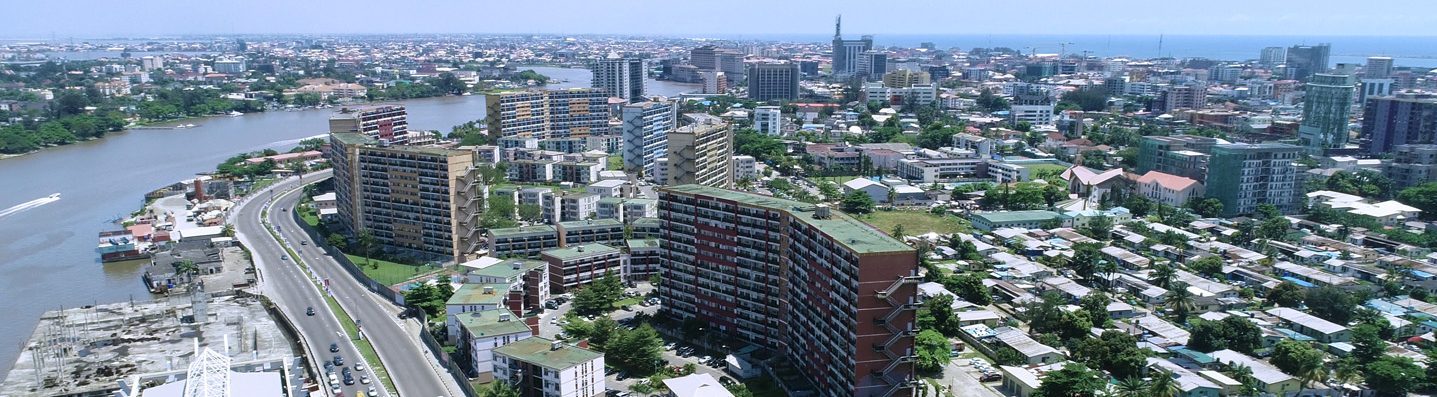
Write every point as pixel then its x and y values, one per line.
pixel 346 372
pixel 726 381
pixel 338 361
pixel 991 378
pixel 358 367
pixel 334 348
pixel 284 257
pixel 348 381
pixel 373 392
pixel 338 391
pixel 309 311
pixel 364 379
pixel 303 243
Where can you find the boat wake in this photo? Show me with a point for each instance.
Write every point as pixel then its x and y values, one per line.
pixel 30 205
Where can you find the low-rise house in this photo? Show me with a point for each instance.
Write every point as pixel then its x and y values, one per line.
pixel 473 298
pixel 1321 330
pixel 1163 329
pixel 989 221
pixel 1269 378
pixel 481 332
pixel 875 190
pixel 1189 384
pixel 1168 189
pixel 1031 350
pixel 544 367
pixel 1019 381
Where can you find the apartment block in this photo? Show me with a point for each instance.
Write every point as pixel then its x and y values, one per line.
pixel 589 231
pixel 529 277
pixel 768 120
pixel 383 122
pixel 575 112
pixel 620 77
pixel 1181 155
pixel 626 210
pixel 1407 118
pixel 414 198
pixel 831 293
pixel 938 169
pixel 773 81
pixel 481 332
pixel 581 265
pixel 701 152
pixel 646 128
pixel 524 241
pixel 745 167
pixel 642 258
pixel 1412 165
pixel 1244 176
pixel 540 367
pixel 646 228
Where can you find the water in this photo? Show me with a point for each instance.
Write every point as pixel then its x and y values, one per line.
pixel 47 246
pixel 97 54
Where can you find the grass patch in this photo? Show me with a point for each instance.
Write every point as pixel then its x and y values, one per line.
pixel 261 184
pixel 628 301
pixel 837 180
pixel 309 218
pixel 386 272
pixel 616 163
pixel 1039 171
pixel 917 222
pixel 763 386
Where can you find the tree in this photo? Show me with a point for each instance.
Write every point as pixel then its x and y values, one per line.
pixel 1368 346
pixel 898 232
pixel 937 314
pixel 1393 376
pixel 1074 380
pixel 1163 385
pixel 450 84
pixel 228 230
pixel 1294 357
pixel 1180 301
pixel 934 351
pixel 1100 227
pixel 1423 196
pixel 1233 333
pixel 1243 375
pixel 969 287
pixel 601 330
pixel 1287 294
pixel 1331 304
pixel 1208 266
pixel 367 242
pixel 1085 259
pixel 337 241
pixel 1113 351
pixel 497 389
pixel 1131 387
pixel 1096 304
pixel 829 190
pixel 1162 276
pixel 1207 208
pixel 857 202
pixel 531 213
pixel 1087 99
pixel 599 297
pixel 640 351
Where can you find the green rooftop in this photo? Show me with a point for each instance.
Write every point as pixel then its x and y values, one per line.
pixel 648 222
pixel 588 223
pixel 580 251
pixel 353 138
pixel 1017 216
pixel 540 351
pixel 474 294
pixel 489 322
pixel 611 200
pixel 506 269
pixel 851 233
pixel 522 230
pixel 642 243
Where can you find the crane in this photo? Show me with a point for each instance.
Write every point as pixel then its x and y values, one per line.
pixel 1063 49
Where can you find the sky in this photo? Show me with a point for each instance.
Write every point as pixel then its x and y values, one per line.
pixel 43 19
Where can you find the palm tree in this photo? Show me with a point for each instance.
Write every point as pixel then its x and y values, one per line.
pixel 892 197
pixel 1163 385
pixel 1131 387
pixel 1243 374
pixel 1312 373
pixel 1162 276
pixel 1179 300
pixel 898 232
pixel 367 242
pixel 1347 371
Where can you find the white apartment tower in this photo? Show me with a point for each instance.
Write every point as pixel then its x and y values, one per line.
pixel 620 77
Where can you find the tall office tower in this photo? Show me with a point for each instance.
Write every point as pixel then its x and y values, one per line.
pixel 413 198
pixel 152 63
pixel 1377 68
pixel 700 152
pixel 872 65
pixel 1325 108
pixel 646 131
pixel 845 52
pixel 906 78
pixel 832 294
pixel 768 81
pixel 1408 118
pixel 1244 176
pixel 544 114
pixel 1273 56
pixel 704 57
pixel 1369 88
pixel 731 63
pixel 384 122
pixel 768 120
pixel 1304 61
pixel 938 72
pixel 620 77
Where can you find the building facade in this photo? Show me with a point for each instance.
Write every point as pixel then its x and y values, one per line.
pixel 575 112
pixel 701 152
pixel 1303 61
pixel 621 77
pixel 646 128
pixel 1244 176
pixel 414 198
pixel 1325 110
pixel 768 120
pixel 383 122
pixel 581 265
pixel 817 286
pixel 1407 118
pixel 541 367
pixel 773 81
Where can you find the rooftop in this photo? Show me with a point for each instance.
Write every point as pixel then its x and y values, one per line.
pixel 479 294
pixel 1306 320
pixel 522 230
pixel 1017 216
pixel 587 223
pixel 540 351
pixel 492 322
pixel 507 268
pixel 580 251
pixel 1263 371
pixel 853 234
pixel 642 243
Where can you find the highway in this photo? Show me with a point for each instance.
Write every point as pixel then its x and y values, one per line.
pixel 411 368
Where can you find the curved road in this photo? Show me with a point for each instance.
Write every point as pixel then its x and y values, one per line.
pixel 411 368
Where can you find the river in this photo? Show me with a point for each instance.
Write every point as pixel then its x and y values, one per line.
pixel 47 247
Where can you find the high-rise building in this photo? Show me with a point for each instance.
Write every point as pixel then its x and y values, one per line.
pixel 1304 61
pixel 1369 88
pixel 1391 121
pixel 1325 108
pixel 872 65
pixel 230 66
pixel 715 82
pixel 1031 105
pixel 383 122
pixel 1181 155
pixel 768 120
pixel 1273 56
pixel 938 72
pixel 152 63
pixel 1377 68
pixel 544 114
pixel 1244 176
pixel 769 81
pixel 415 198
pixel 700 152
pixel 832 294
pixel 846 52
pixel 704 57
pixel 1412 165
pixel 646 128
pixel 906 78
pixel 620 77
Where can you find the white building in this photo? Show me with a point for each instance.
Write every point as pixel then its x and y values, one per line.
pixel 608 188
pixel 937 170
pixel 768 120
pixel 696 385
pixel 484 331
pixel 745 167
pixel 1169 189
pixel 646 128
pixel 875 190
pixel 550 368
pixel 620 77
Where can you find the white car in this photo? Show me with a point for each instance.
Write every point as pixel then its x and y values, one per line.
pixel 358 367
pixel 373 392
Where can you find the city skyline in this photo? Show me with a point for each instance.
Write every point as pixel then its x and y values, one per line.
pixel 744 17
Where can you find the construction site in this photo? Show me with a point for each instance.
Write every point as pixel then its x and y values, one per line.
pixel 89 351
